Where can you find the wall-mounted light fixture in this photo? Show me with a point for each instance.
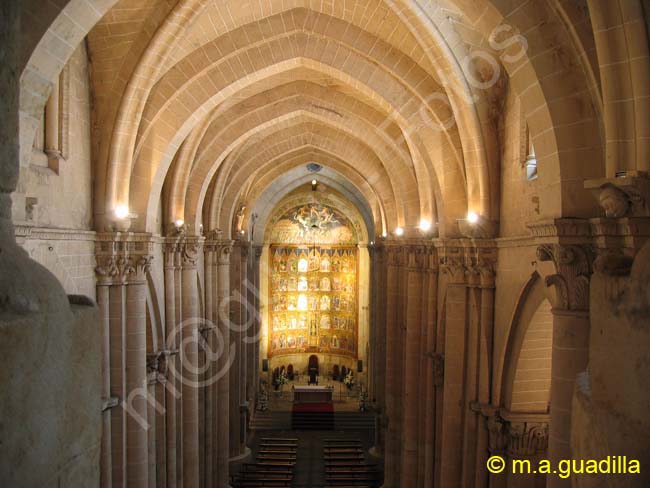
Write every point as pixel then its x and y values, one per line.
pixel 121 212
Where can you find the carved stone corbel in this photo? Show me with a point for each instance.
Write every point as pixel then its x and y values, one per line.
pixel 625 196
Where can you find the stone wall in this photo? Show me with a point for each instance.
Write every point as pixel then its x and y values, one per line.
pixel 52 207
pixel 611 400
pixel 61 198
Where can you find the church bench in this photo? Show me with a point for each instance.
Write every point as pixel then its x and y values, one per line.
pixel 276 451
pixel 262 483
pixel 277 459
pixel 344 457
pixel 359 468
pixel 271 465
pixel 278 444
pixel 265 475
pixel 343 450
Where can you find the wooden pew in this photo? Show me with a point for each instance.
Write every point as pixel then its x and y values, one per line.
pixel 274 465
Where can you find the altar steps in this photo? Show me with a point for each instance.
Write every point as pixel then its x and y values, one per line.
pixel 354 421
pixel 344 421
pixel 312 421
pixel 272 421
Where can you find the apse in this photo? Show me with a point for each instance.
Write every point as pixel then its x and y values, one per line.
pixel 315 285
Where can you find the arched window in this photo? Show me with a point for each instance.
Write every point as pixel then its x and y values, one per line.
pixel 531 159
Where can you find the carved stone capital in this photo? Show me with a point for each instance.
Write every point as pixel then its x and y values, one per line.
pixel 394 255
pixel 123 258
pixel 258 252
pixel 416 257
pixel 452 264
pixel 113 269
pixel 526 439
pixel 464 263
pixel 573 268
pixel 189 248
pixel 224 250
pixel 519 435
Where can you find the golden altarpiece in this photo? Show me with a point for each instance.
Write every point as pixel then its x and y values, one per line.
pixel 313 265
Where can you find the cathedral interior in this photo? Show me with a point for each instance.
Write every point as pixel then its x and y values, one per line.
pixel 324 243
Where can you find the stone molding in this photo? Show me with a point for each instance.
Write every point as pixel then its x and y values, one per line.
pixel 123 258
pixel 26 232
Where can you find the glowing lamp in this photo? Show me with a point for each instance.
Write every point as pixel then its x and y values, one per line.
pixel 121 211
pixel 472 217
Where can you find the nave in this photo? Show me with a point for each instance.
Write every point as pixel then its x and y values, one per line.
pixel 210 209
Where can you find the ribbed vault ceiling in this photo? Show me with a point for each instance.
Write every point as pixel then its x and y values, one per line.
pixel 203 105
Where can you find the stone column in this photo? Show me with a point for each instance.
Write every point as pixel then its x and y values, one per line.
pixel 237 369
pixel 486 370
pixel 191 363
pixel 173 390
pixel 392 447
pixel 251 293
pixel 452 266
pixel 257 290
pixel 103 304
pixel 379 332
pixel 224 249
pixel 178 320
pixel 214 348
pixel 430 367
pixel 123 261
pixel 135 344
pixel 570 354
pixel 480 263
pixel 410 367
pixel 209 417
pixel 244 346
